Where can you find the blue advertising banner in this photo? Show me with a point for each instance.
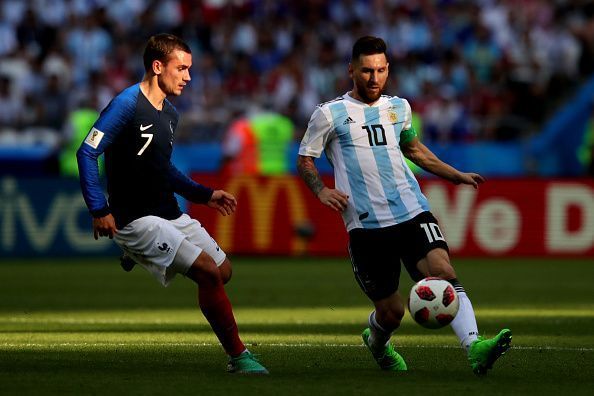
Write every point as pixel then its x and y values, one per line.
pixel 46 217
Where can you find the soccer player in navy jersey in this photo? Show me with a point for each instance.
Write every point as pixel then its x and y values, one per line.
pixel 136 132
pixel 366 137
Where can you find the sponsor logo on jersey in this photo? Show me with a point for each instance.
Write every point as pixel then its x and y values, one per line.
pixel 94 138
pixel 348 120
pixel 144 128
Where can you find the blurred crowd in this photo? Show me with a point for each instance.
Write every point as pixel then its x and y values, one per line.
pixel 472 70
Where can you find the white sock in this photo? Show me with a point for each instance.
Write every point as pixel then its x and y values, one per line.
pixel 378 337
pixel 464 324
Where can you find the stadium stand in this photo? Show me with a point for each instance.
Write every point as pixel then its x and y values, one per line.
pixel 486 71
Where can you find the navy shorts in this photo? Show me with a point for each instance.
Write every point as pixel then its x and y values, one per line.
pixel 376 253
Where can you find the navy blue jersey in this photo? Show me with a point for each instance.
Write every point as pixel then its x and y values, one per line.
pixel 141 180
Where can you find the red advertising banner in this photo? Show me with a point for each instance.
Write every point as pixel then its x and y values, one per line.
pixel 519 217
pixel 275 215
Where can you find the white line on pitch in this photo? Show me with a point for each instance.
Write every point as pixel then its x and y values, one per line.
pixel 288 345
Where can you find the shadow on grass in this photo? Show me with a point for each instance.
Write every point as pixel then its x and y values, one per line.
pixel 567 326
pixel 200 370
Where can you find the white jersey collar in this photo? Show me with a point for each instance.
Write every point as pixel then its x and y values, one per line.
pixel 377 103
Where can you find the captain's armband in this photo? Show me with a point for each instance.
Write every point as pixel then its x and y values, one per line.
pixel 408 135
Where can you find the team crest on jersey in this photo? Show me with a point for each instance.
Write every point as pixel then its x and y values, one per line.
pixel 94 138
pixel 392 115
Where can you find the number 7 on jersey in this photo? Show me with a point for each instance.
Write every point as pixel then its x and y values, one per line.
pixel 149 139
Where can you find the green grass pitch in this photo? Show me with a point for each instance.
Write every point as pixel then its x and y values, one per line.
pixel 85 327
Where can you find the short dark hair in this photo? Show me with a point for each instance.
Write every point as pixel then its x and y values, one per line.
pixel 159 46
pixel 368 45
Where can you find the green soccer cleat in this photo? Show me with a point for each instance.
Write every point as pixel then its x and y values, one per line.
pixel 484 352
pixel 246 363
pixel 389 359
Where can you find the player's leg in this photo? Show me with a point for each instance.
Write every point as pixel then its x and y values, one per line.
pixel 226 271
pixel 430 257
pixel 386 317
pixel 437 263
pixel 214 303
pixel 482 353
pixel 211 269
pixel 162 248
pixel 216 308
pixel 377 271
pixel 383 321
pixel 196 234
pixel 127 263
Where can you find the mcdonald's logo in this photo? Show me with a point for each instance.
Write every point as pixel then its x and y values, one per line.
pixel 263 197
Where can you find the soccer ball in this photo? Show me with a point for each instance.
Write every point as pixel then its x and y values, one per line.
pixel 433 303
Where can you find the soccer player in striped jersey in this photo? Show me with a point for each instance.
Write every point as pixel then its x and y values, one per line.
pixel 136 132
pixel 366 137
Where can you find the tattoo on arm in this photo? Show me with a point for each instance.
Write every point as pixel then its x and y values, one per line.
pixel 309 173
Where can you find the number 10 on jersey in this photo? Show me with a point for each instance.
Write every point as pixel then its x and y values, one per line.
pixel 376 134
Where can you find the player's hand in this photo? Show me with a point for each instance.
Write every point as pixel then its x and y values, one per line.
pixel 222 201
pixel 473 179
pixel 104 226
pixel 333 198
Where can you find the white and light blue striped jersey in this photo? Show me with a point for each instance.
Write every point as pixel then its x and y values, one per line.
pixel 362 142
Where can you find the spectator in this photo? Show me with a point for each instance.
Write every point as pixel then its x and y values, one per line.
pixel 8 39
pixel 34 35
pixel 54 110
pixel 76 128
pixel 258 144
pixel 88 45
pixel 482 53
pixel 10 108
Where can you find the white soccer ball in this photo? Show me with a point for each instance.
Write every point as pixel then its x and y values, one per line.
pixel 433 303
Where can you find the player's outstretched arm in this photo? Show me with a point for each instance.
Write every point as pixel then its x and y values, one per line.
pixel 418 153
pixel 222 201
pixel 333 198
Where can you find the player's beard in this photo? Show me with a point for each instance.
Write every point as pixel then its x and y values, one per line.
pixel 367 95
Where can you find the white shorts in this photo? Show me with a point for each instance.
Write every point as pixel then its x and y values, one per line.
pixel 154 243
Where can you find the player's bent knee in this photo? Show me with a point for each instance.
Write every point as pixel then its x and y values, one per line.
pixel 204 270
pixel 438 265
pixel 226 271
pixel 444 271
